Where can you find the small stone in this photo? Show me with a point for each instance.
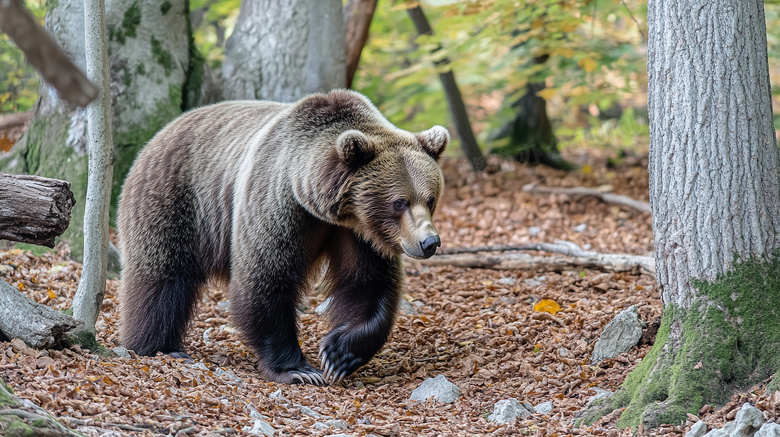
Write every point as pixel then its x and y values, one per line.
pixel 748 420
pixel 621 334
pixel 254 414
pixel 534 231
pixel 200 366
pixel 580 228
pixel 359 385
pixel 207 335
pixel 309 412
pixel 600 394
pixel 543 408
pixel 697 430
pixel 277 395
pixel 406 308
pixel 322 308
pixel 224 305
pixel 507 281
pixel 262 427
pixel 121 351
pixel 768 430
pixel 227 375
pixel 336 424
pixel 508 411
pixel 563 352
pixel 726 431
pixel 437 389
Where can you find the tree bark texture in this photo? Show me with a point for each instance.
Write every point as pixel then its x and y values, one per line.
pixel 715 197
pixel 149 61
pixel 92 284
pixel 357 20
pixel 468 142
pixel 283 51
pixel 33 209
pixel 714 161
pixel 44 54
pixel 40 326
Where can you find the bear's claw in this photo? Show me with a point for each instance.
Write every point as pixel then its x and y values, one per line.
pixel 303 374
pixel 307 378
pixel 335 370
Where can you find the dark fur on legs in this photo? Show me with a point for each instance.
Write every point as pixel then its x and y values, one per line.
pixel 365 289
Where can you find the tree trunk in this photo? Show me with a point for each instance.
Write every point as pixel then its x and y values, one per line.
pixel 92 284
pixel 149 50
pixel 714 172
pixel 284 50
pixel 357 19
pixel 460 116
pixel 530 133
pixel 33 209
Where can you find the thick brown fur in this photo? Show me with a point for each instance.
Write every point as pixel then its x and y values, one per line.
pixel 258 194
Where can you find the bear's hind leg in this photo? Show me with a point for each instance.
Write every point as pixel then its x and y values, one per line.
pixel 365 289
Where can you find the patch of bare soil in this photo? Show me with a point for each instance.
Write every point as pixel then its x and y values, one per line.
pixel 477 327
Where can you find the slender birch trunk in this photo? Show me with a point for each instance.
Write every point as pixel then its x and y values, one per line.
pixel 92 285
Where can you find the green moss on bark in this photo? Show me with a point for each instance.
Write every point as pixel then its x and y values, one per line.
pixel 162 56
pixel 131 20
pixel 727 340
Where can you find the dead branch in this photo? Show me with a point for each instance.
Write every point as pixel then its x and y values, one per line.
pixel 33 209
pixel 15 120
pixel 45 54
pixel 40 326
pixel 617 199
pixel 574 258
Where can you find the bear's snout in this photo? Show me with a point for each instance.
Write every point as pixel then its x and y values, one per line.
pixel 429 245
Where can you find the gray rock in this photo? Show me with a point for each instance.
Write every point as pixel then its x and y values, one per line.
pixel 254 414
pixel 207 335
pixel 697 430
pixel 262 427
pixel 406 308
pixel 748 420
pixel 722 432
pixel 200 366
pixel 620 335
pixel 224 305
pixel 580 228
pixel 535 282
pixel 534 231
pixel 508 411
pixel 600 394
pixel 121 351
pixel 437 389
pixel 507 281
pixel 322 308
pixel 543 408
pixel 331 424
pixel 768 430
pixel 227 375
pixel 562 351
pixel 309 412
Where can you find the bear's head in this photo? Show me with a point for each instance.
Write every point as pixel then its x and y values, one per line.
pixel 393 189
pixel 380 181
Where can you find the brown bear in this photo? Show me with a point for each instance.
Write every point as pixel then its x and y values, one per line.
pixel 260 194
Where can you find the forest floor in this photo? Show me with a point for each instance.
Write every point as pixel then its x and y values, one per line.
pixel 476 327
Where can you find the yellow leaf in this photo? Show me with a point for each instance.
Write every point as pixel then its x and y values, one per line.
pixel 566 52
pixel 51 294
pixel 537 23
pixel 547 306
pixel 587 64
pixel 547 93
pixel 107 380
pixel 587 169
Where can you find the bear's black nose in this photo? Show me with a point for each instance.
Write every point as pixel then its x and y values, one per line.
pixel 429 245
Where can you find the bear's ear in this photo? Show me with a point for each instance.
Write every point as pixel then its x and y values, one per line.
pixel 434 140
pixel 355 148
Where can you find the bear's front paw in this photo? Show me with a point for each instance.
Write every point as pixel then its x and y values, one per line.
pixel 337 358
pixel 304 374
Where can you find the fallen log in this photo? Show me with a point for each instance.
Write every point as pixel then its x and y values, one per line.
pixel 605 196
pixel 574 258
pixel 39 326
pixel 33 209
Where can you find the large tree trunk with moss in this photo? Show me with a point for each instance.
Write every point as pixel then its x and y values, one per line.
pixel 284 50
pixel 149 49
pixel 714 172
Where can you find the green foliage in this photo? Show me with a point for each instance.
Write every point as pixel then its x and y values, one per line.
pixel 162 56
pixel 131 20
pixel 592 60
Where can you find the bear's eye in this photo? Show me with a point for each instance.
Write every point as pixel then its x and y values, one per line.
pixel 431 202
pixel 399 205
